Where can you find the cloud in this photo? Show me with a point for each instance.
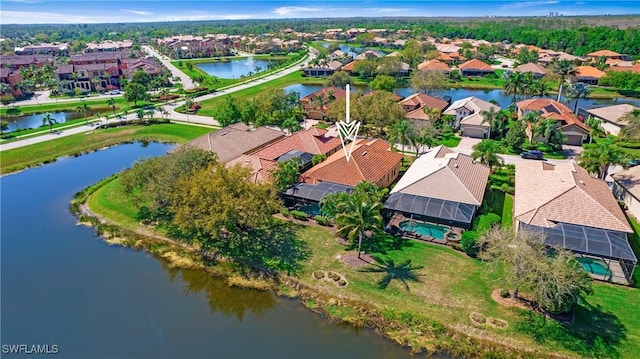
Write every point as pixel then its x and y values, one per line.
pixel 137 12
pixel 520 5
pixel 389 10
pixel 289 10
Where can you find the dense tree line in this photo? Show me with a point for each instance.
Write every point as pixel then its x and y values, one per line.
pixel 577 35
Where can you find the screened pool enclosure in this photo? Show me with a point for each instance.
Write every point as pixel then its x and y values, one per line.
pixel 305 197
pixel 611 247
pixel 455 214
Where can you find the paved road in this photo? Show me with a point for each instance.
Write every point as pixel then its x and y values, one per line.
pixel 187 82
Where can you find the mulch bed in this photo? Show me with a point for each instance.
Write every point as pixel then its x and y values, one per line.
pixel 352 260
pixel 510 302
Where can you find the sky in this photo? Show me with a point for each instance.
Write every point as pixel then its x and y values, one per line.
pixel 109 11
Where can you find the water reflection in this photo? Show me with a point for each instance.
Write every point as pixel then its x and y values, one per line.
pixel 233 69
pixel 230 301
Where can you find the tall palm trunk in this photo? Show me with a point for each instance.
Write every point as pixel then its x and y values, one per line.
pixel 359 243
pixel 560 91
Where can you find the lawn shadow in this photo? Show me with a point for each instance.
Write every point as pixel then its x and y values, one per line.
pixel 382 243
pixel 593 333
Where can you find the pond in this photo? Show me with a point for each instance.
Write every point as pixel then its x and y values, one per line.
pixel 503 99
pixel 62 285
pixel 35 120
pixel 233 69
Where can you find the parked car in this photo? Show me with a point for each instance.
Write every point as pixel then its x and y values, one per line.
pixel 532 155
pixel 633 163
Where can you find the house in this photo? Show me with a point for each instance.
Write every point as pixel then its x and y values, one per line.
pixel 312 141
pixel 370 55
pixel 588 74
pixel 109 45
pixel 469 118
pixel 233 141
pixel 313 108
pixel 577 212
pixel 536 70
pixel 441 187
pixel 626 67
pixel 475 68
pixel 447 48
pixel 575 131
pixel 401 69
pixel 371 160
pixel 16 62
pixel 349 67
pixel 626 188
pixel 56 49
pixel 415 105
pixel 547 57
pixel 608 54
pixel 446 58
pixel 434 66
pixel 322 70
pixel 306 197
pixel 611 117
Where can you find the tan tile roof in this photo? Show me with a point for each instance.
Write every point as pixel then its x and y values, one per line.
pixel 612 113
pixel 635 68
pixel 312 140
pixel 233 141
pixel 475 119
pixel 588 71
pixel 630 180
pixel 605 53
pixel 349 66
pixel 370 161
pixel 548 194
pixel 434 65
pixel 476 64
pixel 472 103
pixel 531 67
pixel 444 57
pixel 444 174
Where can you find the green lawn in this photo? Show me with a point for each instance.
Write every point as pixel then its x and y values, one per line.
pixel 19 158
pixel 449 139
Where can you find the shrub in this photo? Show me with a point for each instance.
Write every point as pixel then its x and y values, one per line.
pixel 285 212
pixel 322 220
pixel 485 222
pixel 504 293
pixel 299 215
pixel 318 274
pixel 334 276
pixel 469 243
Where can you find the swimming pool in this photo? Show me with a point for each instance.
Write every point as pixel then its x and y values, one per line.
pixel 311 209
pixel 425 229
pixel 595 266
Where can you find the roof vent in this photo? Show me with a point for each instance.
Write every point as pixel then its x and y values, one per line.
pixel 581 181
pixel 364 153
pixel 224 133
pixel 456 165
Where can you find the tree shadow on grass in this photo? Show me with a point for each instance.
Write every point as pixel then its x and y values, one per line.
pixel 404 272
pixel 382 243
pixel 593 333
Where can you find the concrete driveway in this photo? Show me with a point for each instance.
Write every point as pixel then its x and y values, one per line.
pixel 466 144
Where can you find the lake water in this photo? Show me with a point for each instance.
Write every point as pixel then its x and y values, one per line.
pixel 232 69
pixel 62 285
pixel 503 99
pixel 35 121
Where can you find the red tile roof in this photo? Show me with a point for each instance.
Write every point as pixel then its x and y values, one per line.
pixel 312 140
pixel 421 100
pixel 338 93
pixel 604 53
pixel 589 71
pixel 476 65
pixel 370 161
pixel 549 108
pixel 434 65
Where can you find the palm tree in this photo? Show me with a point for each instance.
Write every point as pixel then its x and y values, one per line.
pixel 595 128
pixel 564 69
pixel 426 136
pixel 401 132
pixel 111 102
pixel 632 129
pixel 541 87
pixel 527 82
pixel 486 151
pixel 597 158
pixel 365 215
pixel 578 90
pixel 513 82
pixel 140 114
pixel 320 102
pixel 188 105
pixel 546 128
pixel 48 120
pixel 491 117
pixel 84 108
pixel 403 271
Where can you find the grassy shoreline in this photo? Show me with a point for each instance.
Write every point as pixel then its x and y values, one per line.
pixel 434 316
pixel 48 151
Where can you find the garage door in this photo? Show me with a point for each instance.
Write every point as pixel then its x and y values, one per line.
pixel 575 140
pixel 473 132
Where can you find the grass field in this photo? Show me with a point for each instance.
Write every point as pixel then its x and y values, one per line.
pixel 451 287
pixel 19 158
